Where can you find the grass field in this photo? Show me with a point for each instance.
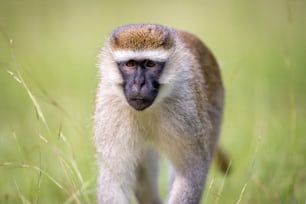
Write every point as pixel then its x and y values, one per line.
pixel 48 77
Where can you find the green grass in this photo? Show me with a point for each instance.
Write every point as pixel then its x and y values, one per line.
pixel 48 77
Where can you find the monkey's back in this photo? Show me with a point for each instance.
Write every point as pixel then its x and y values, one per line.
pixel 210 71
pixel 209 66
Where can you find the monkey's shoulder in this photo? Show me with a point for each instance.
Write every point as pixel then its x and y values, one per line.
pixel 206 61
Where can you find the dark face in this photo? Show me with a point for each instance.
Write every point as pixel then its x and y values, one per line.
pixel 140 81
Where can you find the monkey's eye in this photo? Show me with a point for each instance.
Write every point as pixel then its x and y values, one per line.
pixel 149 63
pixel 130 63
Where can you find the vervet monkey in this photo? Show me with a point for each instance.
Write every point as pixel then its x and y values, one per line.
pixel 160 91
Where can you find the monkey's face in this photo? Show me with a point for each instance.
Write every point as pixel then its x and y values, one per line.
pixel 140 81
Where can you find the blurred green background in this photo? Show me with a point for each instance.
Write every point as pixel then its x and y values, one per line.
pixel 48 77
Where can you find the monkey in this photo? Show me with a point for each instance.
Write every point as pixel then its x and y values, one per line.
pixel 160 92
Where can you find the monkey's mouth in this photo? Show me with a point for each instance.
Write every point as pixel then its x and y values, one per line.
pixel 140 103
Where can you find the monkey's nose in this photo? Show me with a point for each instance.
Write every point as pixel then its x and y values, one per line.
pixel 139 79
pixel 136 88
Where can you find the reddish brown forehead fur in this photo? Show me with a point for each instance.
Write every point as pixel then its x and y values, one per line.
pixel 141 36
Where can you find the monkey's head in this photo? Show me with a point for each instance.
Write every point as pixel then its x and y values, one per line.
pixel 140 53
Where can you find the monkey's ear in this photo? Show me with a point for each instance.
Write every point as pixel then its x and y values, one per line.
pixel 114 41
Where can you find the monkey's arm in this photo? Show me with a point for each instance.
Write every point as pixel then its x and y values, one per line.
pixel 117 151
pixel 191 168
